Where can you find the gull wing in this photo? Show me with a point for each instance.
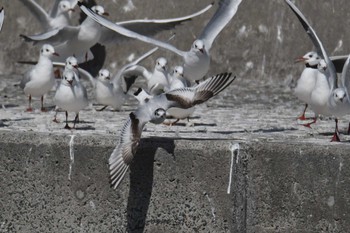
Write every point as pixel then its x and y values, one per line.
pixel 123 154
pixel 345 78
pixel 338 62
pixel 2 16
pixel 54 37
pixel 191 96
pixel 332 75
pixel 227 9
pixel 148 27
pixel 40 14
pixel 125 32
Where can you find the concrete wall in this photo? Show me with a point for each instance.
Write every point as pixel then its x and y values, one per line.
pixel 174 186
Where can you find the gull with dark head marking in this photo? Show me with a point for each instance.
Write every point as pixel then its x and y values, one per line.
pixel 197 59
pixel 58 17
pixel 326 86
pixel 40 79
pixel 155 111
pixel 71 96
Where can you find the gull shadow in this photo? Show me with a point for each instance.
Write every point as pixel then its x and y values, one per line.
pixel 85 128
pixel 19 119
pixel 4 106
pixel 141 181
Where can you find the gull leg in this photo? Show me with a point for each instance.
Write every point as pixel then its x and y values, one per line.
pixel 335 137
pixel 42 104
pixel 55 118
pixel 302 117
pixel 67 126
pixel 103 108
pixel 308 125
pixel 349 129
pixel 29 109
pixel 76 119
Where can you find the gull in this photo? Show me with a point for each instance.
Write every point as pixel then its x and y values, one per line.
pixel 58 17
pixel 307 80
pixel 113 91
pixel 71 96
pixel 155 111
pixel 326 81
pixel 176 81
pixel 73 40
pixel 40 79
pixel 78 40
pixel 157 80
pixel 2 16
pixel 197 59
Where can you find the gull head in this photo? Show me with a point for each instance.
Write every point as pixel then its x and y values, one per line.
pixel 48 50
pixel 104 76
pixel 178 71
pixel 310 58
pixel 161 64
pixel 198 46
pixel 339 95
pixel 68 78
pixel 158 116
pixel 322 65
pixel 72 62
pixel 99 10
pixel 65 6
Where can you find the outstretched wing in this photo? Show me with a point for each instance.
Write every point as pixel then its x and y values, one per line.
pixel 123 154
pixel 191 96
pixel 345 78
pixel 2 15
pixel 41 15
pixel 148 27
pixel 125 32
pixel 332 79
pixel 227 9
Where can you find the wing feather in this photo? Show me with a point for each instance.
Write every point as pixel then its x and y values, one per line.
pixel 123 154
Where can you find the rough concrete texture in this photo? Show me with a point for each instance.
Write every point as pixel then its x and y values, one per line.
pixel 285 178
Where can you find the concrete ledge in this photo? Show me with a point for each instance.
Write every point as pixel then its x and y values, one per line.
pixel 174 186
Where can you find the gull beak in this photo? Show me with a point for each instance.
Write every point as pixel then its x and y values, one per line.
pixel 105 14
pixel 71 10
pixel 108 78
pixel 70 82
pixel 56 54
pixel 201 50
pixel 299 59
pixel 164 68
pixel 76 66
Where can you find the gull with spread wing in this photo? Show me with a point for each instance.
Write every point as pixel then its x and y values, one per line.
pixel 197 59
pixel 78 40
pixel 155 111
pixel 58 17
pixel 326 81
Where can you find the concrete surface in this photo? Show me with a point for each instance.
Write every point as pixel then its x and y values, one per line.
pixel 285 178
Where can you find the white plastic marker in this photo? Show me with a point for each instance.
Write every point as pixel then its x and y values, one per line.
pixel 234 148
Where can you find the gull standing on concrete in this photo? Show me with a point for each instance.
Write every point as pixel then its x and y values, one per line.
pixel 71 96
pixel 58 17
pixel 197 59
pixel 78 40
pixel 40 79
pixel 157 80
pixel 155 111
pixel 307 80
pixel 2 16
pixel 326 81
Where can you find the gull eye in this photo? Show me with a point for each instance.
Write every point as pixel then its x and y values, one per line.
pixel 47 50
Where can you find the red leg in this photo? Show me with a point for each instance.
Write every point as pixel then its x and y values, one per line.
pixel 302 117
pixel 335 137
pixel 29 109
pixel 55 118
pixel 308 125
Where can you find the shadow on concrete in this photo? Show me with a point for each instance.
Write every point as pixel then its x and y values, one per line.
pixel 141 181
